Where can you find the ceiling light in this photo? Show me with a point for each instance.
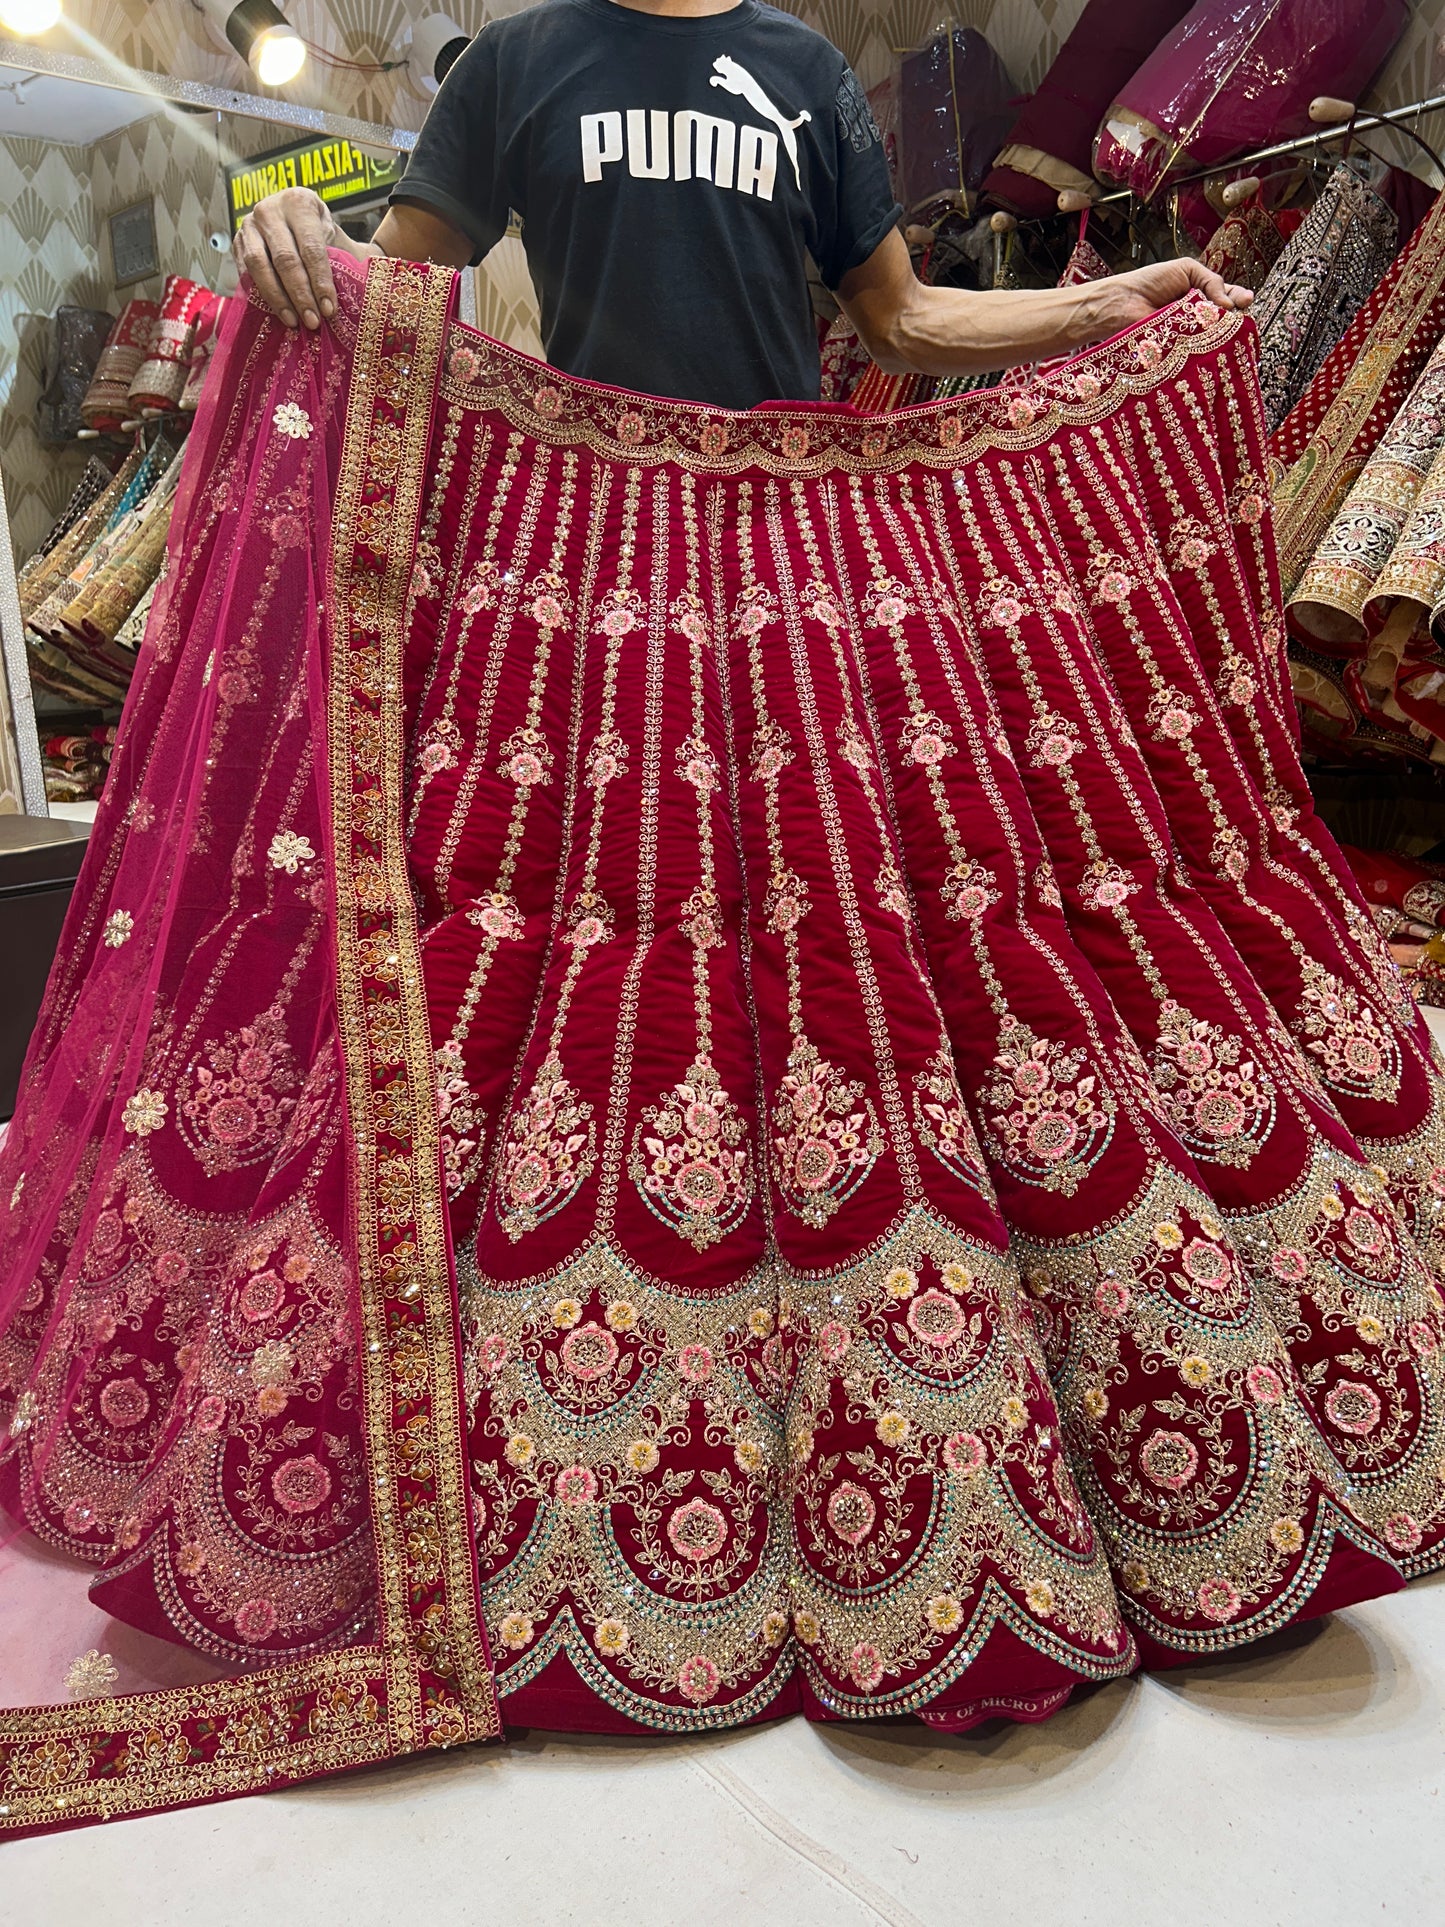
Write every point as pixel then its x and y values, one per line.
pixel 27 17
pixel 436 41
pixel 260 34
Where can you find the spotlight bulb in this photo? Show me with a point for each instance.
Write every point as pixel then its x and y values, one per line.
pixel 27 17
pixel 259 32
pixel 278 56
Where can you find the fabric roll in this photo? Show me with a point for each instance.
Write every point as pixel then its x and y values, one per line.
pixel 1329 436
pixel 202 346
pixel 105 405
pixel 160 380
pixel 1327 269
pixel 1387 541
pixel 1236 75
pixel 1050 144
pixel 40 578
pixel 744 1084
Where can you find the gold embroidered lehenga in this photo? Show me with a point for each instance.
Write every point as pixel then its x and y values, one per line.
pixel 708 1065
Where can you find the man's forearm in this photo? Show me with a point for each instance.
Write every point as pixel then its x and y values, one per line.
pixel 961 331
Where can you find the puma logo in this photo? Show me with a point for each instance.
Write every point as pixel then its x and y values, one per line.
pixel 735 79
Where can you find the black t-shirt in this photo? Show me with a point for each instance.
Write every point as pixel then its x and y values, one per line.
pixel 672 175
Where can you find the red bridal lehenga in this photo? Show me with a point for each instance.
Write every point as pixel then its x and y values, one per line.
pixel 706 1065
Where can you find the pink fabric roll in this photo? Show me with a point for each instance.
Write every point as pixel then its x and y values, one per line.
pixel 1049 144
pixel 1237 74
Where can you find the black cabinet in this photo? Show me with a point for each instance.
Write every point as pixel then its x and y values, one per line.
pixel 39 860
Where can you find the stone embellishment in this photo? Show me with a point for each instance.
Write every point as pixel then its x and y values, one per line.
pixel 145 1112
pixel 291 419
pixel 289 851
pixel 93 1676
pixel 118 927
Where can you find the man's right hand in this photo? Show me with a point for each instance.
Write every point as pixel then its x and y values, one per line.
pixel 282 245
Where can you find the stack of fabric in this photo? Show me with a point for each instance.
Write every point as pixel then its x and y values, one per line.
pixel 75 764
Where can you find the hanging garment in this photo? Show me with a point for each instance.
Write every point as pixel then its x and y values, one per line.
pixel 77 340
pixel 1328 267
pixel 1328 437
pixel 706 1065
pixel 1245 246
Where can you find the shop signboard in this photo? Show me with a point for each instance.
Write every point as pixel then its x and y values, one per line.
pixel 343 174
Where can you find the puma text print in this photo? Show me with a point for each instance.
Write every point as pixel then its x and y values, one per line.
pixel 687 145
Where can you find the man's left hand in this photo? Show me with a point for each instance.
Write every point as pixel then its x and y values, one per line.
pixel 1136 295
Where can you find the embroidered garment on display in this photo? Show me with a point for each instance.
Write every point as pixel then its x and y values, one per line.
pixel 1329 265
pixel 706 1065
pixel 105 404
pixel 1327 438
pixel 161 378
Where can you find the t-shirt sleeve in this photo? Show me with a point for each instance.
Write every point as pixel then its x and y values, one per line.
pixel 856 207
pixel 457 165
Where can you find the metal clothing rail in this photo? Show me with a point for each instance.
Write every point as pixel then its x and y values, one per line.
pixel 1340 130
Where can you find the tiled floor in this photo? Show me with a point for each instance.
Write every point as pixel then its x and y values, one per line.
pixel 1299 1784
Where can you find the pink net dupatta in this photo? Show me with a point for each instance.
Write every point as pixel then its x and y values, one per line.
pixel 225 1288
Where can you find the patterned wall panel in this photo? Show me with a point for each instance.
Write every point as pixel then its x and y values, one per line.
pixel 47 256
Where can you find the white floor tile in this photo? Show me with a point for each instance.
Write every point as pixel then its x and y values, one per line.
pixel 1300 1784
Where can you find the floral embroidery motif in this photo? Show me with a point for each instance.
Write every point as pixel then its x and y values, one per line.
pixel 144 1112
pixel 1172 715
pixel 623 611
pixel 93 1676
pixel 826 1137
pixel 498 915
pixel 785 902
pixel 1235 683
pixel 288 851
pixel 1358 1055
pixel 440 747
pixel 1189 545
pixel 1052 740
pixel 606 760
pixel 1218 1100
pixel 291 419
pixel 526 759
pixel 549 1152
pixel 1044 1115
pixel 460 1118
pixel 772 752
pixel 689 618
pixel 118 927
pixel 1109 580
pixel 1106 885
pixel 692 1168
pixel 925 739
pixel 550 604
pixel 234 1106
pixel 968 891
pixel 482 589
pixel 941 1119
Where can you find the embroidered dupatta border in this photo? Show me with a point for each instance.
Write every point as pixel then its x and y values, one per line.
pixel 427 1680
